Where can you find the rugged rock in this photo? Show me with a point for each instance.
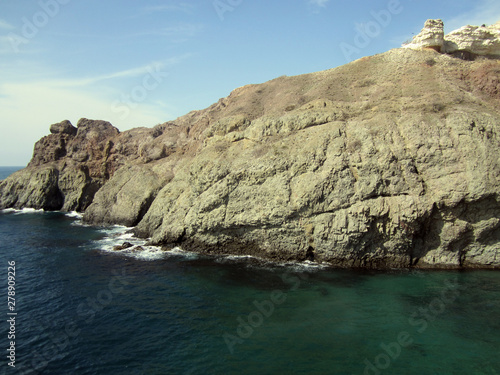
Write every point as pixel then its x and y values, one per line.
pixel 431 36
pixel 126 197
pixel 68 168
pixel 64 127
pixel 123 246
pixel 475 40
pixel 468 42
pixel 390 161
pixel 35 188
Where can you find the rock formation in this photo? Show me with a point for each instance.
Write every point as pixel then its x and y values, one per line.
pixel 467 42
pixel 389 161
pixel 431 36
pixel 477 40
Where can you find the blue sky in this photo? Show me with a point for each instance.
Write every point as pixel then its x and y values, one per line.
pixel 140 63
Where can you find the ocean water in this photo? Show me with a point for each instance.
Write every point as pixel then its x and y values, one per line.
pixel 6 171
pixel 82 308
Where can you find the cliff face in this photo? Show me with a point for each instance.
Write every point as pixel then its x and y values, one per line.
pixel 389 161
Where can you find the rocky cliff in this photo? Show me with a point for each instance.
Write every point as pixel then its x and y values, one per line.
pixel 389 161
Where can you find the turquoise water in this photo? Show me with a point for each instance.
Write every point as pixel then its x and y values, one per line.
pixel 83 309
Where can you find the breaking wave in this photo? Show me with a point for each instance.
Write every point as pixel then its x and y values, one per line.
pixel 22 211
pixel 121 240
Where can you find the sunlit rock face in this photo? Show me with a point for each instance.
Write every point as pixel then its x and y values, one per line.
pixel 477 40
pixel 392 160
pixel 467 42
pixel 431 36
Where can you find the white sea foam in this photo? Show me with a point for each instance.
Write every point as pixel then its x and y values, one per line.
pixel 22 211
pixel 118 235
pixel 74 214
pixel 256 262
pixel 229 258
pixel 30 211
pixel 306 265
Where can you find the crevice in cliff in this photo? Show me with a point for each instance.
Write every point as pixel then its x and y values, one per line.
pixel 146 204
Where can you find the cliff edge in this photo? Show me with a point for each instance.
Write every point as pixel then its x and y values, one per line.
pixel 392 160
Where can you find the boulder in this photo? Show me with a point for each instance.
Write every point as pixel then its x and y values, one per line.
pixel 123 246
pixel 63 127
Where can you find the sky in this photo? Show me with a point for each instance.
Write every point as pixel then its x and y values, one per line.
pixel 141 63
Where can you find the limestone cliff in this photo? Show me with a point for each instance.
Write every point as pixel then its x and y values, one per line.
pixel 390 161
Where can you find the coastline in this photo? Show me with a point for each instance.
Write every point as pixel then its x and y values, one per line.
pixel 332 178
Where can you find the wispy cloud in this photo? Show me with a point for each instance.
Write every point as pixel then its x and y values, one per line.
pixel 180 7
pixel 5 44
pixel 5 25
pixel 184 30
pixel 318 3
pixel 128 73
pixel 177 32
pixel 29 108
pixel 486 12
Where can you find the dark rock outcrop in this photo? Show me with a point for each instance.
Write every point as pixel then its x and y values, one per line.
pixel 63 127
pixel 390 161
pixel 123 246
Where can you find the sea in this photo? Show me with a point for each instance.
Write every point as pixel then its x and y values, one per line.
pixel 73 305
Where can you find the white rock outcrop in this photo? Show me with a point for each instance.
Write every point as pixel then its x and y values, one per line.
pixel 479 40
pixel 468 40
pixel 431 36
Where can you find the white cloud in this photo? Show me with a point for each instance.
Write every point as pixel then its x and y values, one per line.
pixel 175 33
pixel 319 3
pixel 5 25
pixel 5 45
pixel 180 7
pixel 30 106
pixel 156 66
pixel 486 12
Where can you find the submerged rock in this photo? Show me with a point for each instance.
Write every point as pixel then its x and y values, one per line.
pixel 390 161
pixel 123 246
